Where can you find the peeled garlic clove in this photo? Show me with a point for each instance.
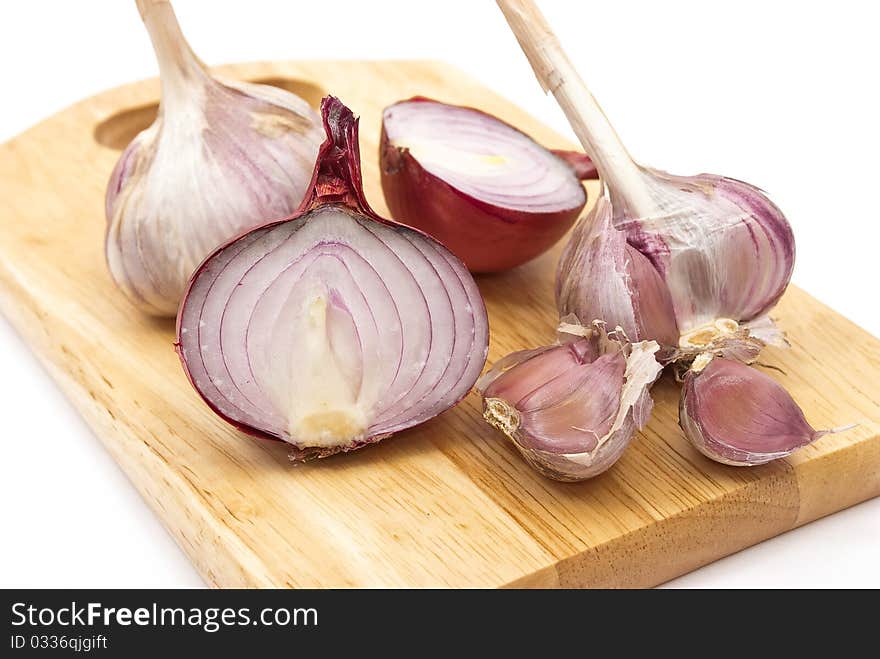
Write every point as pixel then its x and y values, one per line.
pixel 602 277
pixel 723 248
pixel 220 158
pixel 572 409
pixel 735 414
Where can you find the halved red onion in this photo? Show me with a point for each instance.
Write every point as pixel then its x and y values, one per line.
pixel 333 328
pixel 489 192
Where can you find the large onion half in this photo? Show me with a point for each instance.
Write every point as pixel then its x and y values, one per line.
pixel 333 328
pixel 489 192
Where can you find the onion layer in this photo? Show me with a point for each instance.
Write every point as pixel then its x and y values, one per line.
pixel 333 328
pixel 490 193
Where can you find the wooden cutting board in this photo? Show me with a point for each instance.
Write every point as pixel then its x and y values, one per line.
pixel 447 504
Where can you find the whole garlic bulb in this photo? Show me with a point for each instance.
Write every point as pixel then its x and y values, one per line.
pixel 221 157
pixel 722 247
pixel 693 281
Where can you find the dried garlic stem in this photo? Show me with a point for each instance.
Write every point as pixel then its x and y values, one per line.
pixel 557 75
pixel 178 64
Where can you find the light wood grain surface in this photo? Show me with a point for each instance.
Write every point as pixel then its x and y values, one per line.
pixel 446 504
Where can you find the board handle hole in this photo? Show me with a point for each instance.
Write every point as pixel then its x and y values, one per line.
pixel 117 131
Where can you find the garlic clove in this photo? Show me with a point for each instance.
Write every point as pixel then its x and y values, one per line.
pixel 534 368
pixel 590 392
pixel 220 158
pixel 723 248
pixel 602 277
pixel 737 415
pixel 572 408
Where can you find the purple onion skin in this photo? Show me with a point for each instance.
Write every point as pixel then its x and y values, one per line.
pixel 485 237
pixel 739 416
pixel 337 181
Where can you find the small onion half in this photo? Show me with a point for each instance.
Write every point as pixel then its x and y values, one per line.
pixel 333 328
pixel 489 192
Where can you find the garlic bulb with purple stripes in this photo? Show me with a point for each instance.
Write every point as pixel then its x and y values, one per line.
pixel 603 277
pixel 693 282
pixel 722 252
pixel 221 157
pixel 722 248
pixel 693 262
pixel 333 328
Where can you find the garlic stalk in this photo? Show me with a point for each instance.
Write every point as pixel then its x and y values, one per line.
pixel 221 157
pixel 573 407
pixel 739 416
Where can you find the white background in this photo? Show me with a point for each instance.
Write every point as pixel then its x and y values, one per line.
pixel 781 94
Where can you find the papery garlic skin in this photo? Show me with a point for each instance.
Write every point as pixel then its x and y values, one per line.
pixel 221 157
pixel 571 409
pixel 724 337
pixel 600 276
pixel 737 415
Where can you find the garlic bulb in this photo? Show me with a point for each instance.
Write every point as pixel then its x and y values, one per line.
pixel 723 249
pixel 572 408
pixel 713 250
pixel 220 158
pixel 709 296
pixel 694 263
pixel 737 415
